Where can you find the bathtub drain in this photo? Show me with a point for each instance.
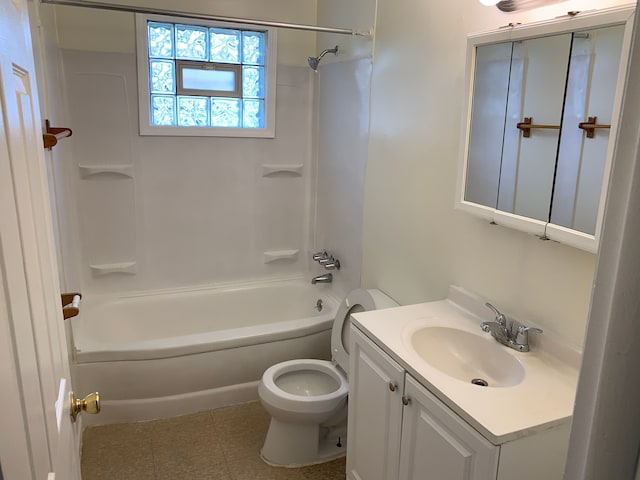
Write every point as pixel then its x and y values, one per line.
pixel 319 305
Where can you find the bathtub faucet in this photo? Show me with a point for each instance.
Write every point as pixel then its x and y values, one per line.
pixel 326 278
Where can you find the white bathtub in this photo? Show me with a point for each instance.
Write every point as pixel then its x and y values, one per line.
pixel 172 353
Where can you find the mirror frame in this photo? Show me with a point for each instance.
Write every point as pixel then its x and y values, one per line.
pixel 623 15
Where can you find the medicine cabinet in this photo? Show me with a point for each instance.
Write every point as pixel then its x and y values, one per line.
pixel 542 112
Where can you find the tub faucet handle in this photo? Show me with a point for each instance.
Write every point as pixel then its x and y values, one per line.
pixel 320 255
pixel 333 264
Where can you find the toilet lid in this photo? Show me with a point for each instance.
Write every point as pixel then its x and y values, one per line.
pixel 359 300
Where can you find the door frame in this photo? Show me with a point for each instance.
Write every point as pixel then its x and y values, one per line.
pixel 605 435
pixel 34 373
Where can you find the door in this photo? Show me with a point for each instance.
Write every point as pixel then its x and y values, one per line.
pixel 38 440
pixel 438 445
pixel 375 412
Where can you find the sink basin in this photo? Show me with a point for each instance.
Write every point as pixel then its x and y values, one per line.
pixel 467 357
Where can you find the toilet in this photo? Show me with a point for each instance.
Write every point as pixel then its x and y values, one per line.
pixel 307 399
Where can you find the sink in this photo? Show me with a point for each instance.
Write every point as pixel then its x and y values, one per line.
pixel 467 357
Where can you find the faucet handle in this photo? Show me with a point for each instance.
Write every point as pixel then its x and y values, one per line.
pixel 522 334
pixel 500 318
pixel 523 329
pixel 332 265
pixel 320 255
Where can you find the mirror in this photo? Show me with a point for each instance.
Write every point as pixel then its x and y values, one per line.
pixel 582 153
pixel 515 81
pixel 542 103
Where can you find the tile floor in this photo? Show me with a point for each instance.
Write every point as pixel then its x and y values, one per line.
pixel 221 444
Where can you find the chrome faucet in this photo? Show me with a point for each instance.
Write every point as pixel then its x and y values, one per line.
pixel 514 335
pixel 327 260
pixel 326 278
pixel 500 322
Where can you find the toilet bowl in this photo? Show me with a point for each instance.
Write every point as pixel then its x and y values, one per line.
pixel 307 399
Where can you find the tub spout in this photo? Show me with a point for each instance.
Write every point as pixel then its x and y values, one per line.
pixel 326 278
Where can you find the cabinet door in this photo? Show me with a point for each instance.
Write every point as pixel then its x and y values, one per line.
pixel 438 445
pixel 375 412
pixel 536 91
pixel 582 157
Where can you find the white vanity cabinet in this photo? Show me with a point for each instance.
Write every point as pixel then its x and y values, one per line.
pixel 398 430
pixel 437 444
pixel 376 384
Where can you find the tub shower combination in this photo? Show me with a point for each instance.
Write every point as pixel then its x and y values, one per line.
pixel 162 354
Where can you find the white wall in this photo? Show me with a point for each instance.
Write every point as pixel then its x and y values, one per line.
pixel 354 14
pixel 343 90
pixel 106 31
pixel 415 243
pixel 342 139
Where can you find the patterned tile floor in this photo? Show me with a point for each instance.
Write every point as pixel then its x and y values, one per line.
pixel 221 444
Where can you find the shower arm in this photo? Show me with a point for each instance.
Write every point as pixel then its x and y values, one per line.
pixel 315 61
pixel 328 50
pixel 204 16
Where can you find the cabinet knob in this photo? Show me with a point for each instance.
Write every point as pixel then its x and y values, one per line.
pixel 393 386
pixel 406 400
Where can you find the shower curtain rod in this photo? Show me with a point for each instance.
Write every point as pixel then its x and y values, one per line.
pixel 204 16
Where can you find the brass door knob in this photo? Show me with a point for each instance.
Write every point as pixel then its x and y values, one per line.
pixel 89 404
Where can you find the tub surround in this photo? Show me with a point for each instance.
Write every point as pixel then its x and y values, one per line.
pixel 190 210
pixel 542 400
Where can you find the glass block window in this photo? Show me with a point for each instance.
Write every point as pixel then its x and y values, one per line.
pixel 205 75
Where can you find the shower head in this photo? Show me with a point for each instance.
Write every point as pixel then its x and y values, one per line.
pixel 314 61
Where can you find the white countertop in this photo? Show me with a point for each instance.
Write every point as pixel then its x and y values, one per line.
pixel 543 399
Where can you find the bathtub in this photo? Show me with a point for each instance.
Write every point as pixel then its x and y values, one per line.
pixel 170 353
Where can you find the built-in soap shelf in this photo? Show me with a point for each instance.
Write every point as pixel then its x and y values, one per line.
pixel 275 255
pixel 273 170
pixel 91 170
pixel 128 268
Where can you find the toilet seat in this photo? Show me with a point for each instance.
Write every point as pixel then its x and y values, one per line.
pixel 358 300
pixel 340 333
pixel 271 392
